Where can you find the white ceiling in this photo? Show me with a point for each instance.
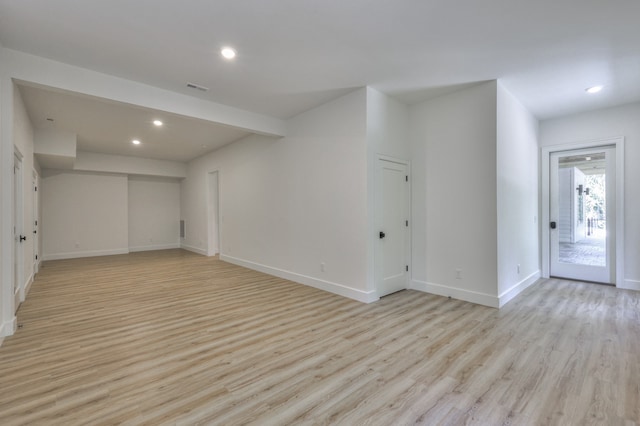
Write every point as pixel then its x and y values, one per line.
pixel 296 54
pixel 109 127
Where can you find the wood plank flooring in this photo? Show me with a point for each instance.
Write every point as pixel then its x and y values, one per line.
pixel 171 337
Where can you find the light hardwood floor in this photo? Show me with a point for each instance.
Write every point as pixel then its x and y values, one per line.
pixel 171 337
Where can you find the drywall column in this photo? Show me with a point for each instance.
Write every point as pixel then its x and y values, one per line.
pixel 517 197
pixel 453 143
pixel 7 316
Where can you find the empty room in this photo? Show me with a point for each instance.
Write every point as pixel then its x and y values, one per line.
pixel 282 213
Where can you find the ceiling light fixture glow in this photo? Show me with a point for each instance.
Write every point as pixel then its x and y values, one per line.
pixel 135 142
pixel 594 89
pixel 228 52
pixel 157 123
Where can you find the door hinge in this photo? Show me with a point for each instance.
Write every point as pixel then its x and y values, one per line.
pixel 35 188
pixel 406 178
pixel 36 257
pixel 406 222
pixel 407 268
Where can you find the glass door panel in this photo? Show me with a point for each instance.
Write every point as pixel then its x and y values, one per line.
pixel 581 200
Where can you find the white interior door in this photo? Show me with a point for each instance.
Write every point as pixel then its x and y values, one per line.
pixel 582 214
pixel 392 213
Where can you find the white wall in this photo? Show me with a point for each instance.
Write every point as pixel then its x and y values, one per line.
pixel 7 317
pixel 517 196
pixel 287 205
pixel 84 214
pixel 154 213
pixel 454 201
pixel 92 214
pixel 604 124
pixel 387 125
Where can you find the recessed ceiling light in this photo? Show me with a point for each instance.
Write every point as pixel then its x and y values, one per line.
pixel 228 52
pixel 588 158
pixel 594 89
pixel 135 142
pixel 157 123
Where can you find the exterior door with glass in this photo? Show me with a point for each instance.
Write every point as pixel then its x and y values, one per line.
pixel 582 216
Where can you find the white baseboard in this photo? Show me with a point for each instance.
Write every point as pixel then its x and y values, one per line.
pixel 27 289
pixel 456 293
pixel 88 253
pixel 8 328
pixel 194 249
pixel 27 286
pixel 518 288
pixel 476 297
pixel 629 285
pixel 339 289
pixel 154 247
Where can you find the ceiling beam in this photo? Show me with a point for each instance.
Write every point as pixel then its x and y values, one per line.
pixel 40 71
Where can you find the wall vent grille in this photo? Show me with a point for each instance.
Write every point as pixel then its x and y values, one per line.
pixel 197 87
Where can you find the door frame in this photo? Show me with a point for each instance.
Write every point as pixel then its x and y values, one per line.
pixel 18 229
pixel 36 223
pixel 213 214
pixel 618 143
pixel 377 267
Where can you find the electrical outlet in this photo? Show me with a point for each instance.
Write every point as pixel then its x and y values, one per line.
pixel 518 268
pixel 458 274
pixel 322 267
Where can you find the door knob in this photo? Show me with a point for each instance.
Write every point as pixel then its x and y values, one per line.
pixel 552 225
pixel 382 234
pixel 22 238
